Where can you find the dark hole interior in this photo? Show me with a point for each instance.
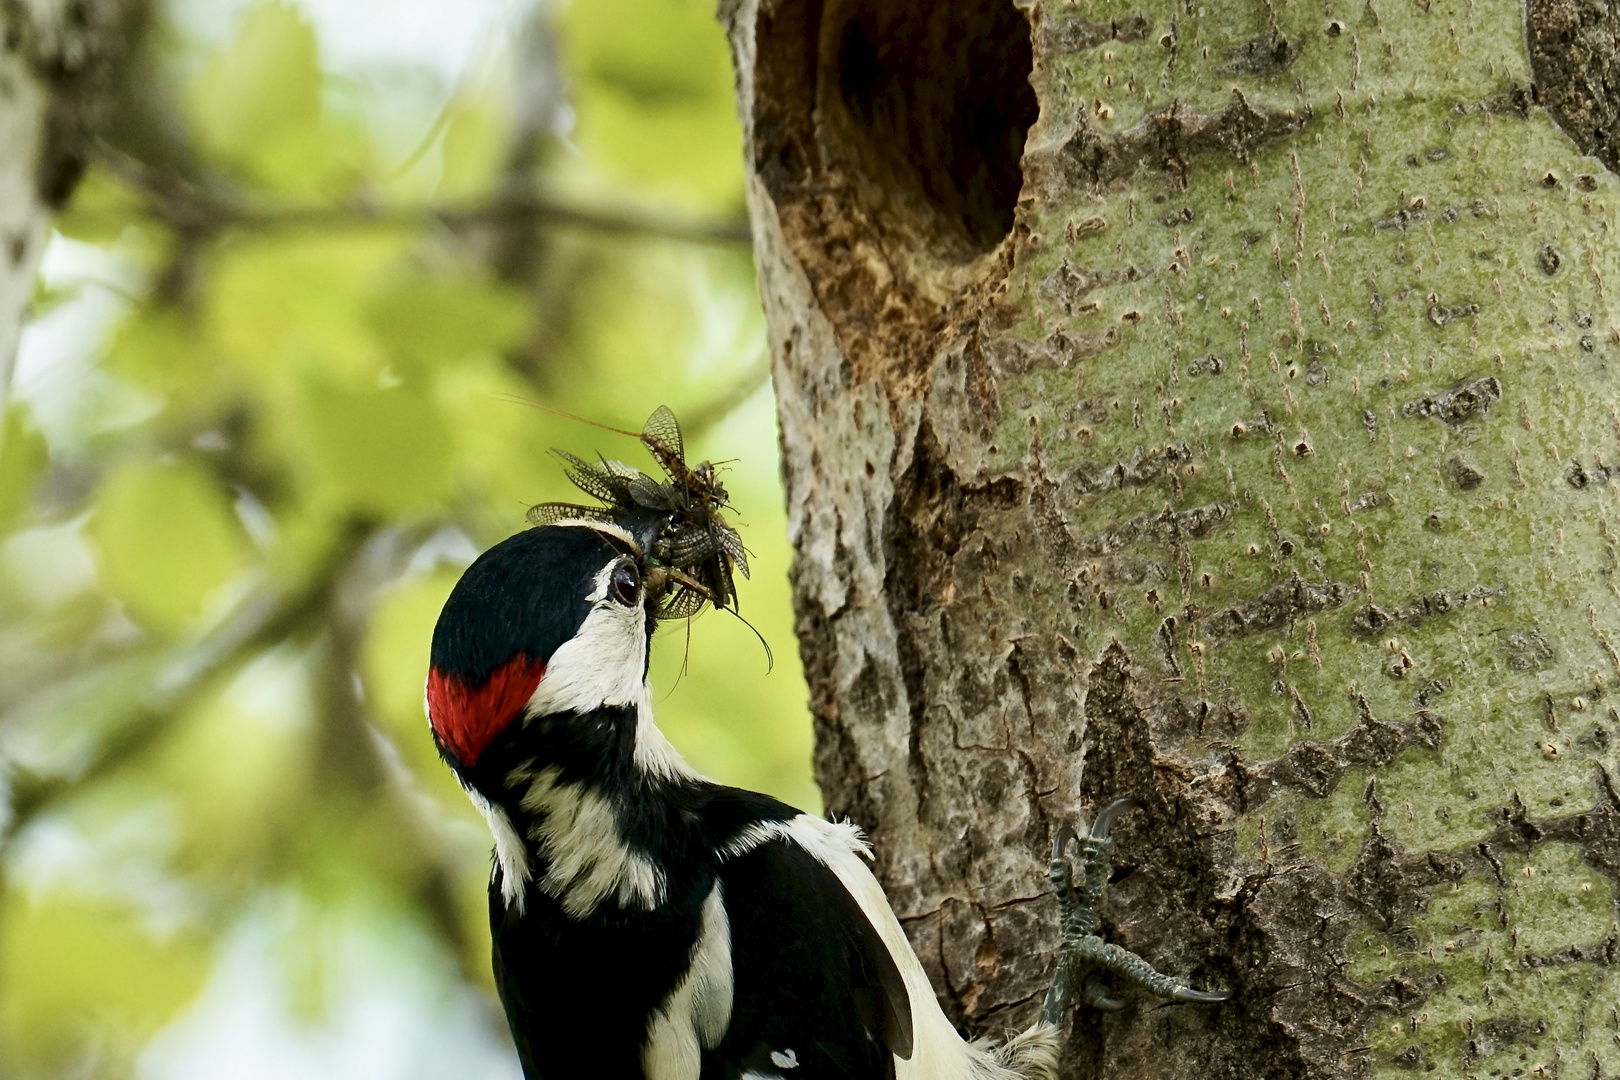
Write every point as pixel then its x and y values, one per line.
pixel 939 94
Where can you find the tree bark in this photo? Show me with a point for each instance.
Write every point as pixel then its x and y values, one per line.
pixel 1212 404
pixel 58 61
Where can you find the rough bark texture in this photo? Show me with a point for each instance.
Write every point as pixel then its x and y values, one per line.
pixel 57 62
pixel 1213 403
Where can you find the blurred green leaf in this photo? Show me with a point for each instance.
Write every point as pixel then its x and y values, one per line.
pixel 165 539
pixel 427 322
pixel 280 306
pixel 156 348
pixel 378 450
pixel 261 86
pixel 654 95
pixel 656 53
pixel 103 206
pixel 78 977
pixel 23 458
pixel 473 148
pixel 257 106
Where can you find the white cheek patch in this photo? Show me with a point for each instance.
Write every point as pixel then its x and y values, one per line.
pixel 604 663
pixel 697 1012
pixel 587 860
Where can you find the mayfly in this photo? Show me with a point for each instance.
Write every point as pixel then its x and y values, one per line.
pixel 677 521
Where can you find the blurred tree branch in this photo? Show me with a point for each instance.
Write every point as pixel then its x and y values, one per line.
pixel 59 69
pixel 263 619
pixel 192 210
pixel 332 606
pixel 353 756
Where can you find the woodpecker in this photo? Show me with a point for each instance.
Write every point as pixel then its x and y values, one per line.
pixel 650 924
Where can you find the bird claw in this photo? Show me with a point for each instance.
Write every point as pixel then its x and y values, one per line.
pixel 1083 956
pixel 1095 994
pixel 1105 820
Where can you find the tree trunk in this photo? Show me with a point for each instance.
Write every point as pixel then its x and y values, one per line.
pixel 57 63
pixel 1211 404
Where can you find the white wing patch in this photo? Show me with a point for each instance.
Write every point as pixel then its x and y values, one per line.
pixel 697 1012
pixel 785 1059
pixel 587 860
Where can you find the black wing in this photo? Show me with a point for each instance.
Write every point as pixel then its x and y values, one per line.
pixel 814 983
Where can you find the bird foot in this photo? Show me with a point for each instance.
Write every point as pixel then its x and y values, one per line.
pixel 1083 957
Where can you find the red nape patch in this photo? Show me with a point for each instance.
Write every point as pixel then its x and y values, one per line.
pixel 467 719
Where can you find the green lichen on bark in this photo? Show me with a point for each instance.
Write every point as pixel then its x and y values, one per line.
pixel 1260 471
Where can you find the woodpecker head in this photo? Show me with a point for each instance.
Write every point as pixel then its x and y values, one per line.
pixel 541 651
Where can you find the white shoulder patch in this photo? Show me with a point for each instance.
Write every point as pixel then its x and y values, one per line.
pixel 586 858
pixel 697 1012
pixel 823 839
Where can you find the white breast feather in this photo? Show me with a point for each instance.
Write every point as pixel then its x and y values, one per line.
pixel 587 860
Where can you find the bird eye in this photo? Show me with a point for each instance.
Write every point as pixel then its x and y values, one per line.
pixel 626 584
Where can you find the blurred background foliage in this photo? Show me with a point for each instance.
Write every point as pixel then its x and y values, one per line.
pixel 269 403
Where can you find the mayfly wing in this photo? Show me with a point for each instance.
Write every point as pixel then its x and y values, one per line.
pixel 553 512
pixel 595 481
pixel 662 437
pixel 626 481
pixel 691 546
pixel 655 496
pixel 683 604
pixel 731 543
pixel 725 589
